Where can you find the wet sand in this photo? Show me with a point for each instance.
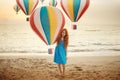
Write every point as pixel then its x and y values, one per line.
pixel 43 68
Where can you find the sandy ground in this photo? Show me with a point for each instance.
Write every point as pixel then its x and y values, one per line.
pixel 43 68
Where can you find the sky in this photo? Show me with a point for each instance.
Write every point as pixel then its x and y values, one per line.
pixel 100 12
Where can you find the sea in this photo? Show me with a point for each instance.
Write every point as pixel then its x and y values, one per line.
pixel 18 37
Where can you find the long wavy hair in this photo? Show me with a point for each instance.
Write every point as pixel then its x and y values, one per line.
pixel 65 39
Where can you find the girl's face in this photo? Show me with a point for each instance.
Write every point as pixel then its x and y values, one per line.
pixel 63 33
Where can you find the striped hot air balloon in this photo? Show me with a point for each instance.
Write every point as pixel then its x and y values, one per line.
pixel 53 3
pixel 74 9
pixel 42 1
pixel 27 6
pixel 47 22
pixel 16 8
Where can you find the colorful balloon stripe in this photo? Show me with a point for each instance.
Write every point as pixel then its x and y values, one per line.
pixel 84 9
pixel 53 22
pixel 47 22
pixel 53 2
pixel 17 8
pixel 27 6
pixel 34 21
pixel 77 4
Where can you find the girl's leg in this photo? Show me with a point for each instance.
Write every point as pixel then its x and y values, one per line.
pixel 63 66
pixel 60 68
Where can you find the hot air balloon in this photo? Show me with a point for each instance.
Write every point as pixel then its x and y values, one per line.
pixel 74 9
pixel 16 8
pixel 42 1
pixel 27 6
pixel 53 3
pixel 47 22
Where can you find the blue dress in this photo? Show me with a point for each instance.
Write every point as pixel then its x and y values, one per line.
pixel 60 53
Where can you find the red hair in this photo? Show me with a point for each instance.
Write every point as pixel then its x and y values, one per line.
pixel 65 39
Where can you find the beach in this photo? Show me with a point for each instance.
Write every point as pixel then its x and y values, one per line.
pixel 93 49
pixel 42 67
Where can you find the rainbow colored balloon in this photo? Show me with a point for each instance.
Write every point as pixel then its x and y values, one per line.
pixel 53 3
pixel 47 22
pixel 74 9
pixel 16 8
pixel 27 6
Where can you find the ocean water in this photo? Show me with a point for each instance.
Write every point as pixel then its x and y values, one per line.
pixel 20 38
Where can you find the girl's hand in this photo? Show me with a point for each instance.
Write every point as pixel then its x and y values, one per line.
pixel 66 58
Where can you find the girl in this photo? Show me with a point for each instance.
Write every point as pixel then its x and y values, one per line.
pixel 60 56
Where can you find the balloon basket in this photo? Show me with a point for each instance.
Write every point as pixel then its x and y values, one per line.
pixel 17 13
pixel 74 27
pixel 50 51
pixel 27 19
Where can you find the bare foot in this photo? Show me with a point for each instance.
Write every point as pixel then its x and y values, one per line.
pixel 63 75
pixel 60 74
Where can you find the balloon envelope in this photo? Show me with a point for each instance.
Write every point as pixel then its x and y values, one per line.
pixel 27 6
pixel 53 3
pixel 47 22
pixel 75 8
pixel 16 8
pixel 42 1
